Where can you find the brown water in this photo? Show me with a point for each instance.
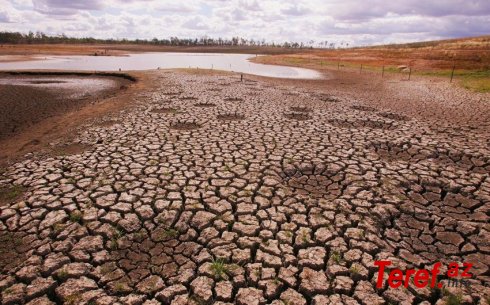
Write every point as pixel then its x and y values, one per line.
pixel 150 61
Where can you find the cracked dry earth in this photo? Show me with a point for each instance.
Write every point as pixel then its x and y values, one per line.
pixel 214 191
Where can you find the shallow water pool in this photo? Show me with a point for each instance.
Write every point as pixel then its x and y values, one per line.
pixel 150 61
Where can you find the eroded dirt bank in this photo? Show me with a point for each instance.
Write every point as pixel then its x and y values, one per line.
pixel 211 190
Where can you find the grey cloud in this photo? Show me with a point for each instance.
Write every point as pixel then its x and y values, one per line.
pixel 175 7
pixel 4 17
pixel 450 27
pixel 364 10
pixel 65 7
pixel 250 5
pixel 296 10
pixel 195 23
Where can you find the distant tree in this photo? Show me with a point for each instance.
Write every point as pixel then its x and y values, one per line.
pixel 40 37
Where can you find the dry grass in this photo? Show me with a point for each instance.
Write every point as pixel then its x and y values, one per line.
pixel 470 56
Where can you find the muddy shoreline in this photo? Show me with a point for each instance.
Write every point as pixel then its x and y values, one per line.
pixel 35 105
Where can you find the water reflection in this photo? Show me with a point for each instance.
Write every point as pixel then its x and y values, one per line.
pixel 149 61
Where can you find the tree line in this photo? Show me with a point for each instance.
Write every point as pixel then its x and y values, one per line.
pixel 42 38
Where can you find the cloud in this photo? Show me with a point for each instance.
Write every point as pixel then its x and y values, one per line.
pixel 250 5
pixel 296 10
pixel 195 23
pixel 175 7
pixel 365 10
pixel 4 17
pixel 66 7
pixel 354 21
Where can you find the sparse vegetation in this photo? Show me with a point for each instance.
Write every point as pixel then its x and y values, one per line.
pixel 424 59
pixel 58 227
pixel 62 275
pixel 76 216
pixel 117 233
pixel 197 300
pixel 453 299
pixel 119 287
pixel 304 237
pixel 170 233
pixel 336 257
pixel 73 299
pixel 11 193
pixel 354 269
pixel 220 269
pixel 477 81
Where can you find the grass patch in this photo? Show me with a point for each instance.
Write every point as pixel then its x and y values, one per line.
pixel 477 81
pixel 76 216
pixel 171 233
pixel 453 299
pixel 481 85
pixel 220 269
pixel 336 257
pixel 73 299
pixel 117 233
pixel 354 269
pixel 10 194
pixel 62 275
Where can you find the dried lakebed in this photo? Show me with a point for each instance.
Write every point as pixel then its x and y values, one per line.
pixel 216 191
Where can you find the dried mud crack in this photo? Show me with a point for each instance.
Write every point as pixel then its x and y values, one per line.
pixel 242 203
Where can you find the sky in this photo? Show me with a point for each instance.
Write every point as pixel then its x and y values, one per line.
pixel 352 22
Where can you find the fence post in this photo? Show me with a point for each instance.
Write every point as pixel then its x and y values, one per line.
pixel 360 70
pixel 452 73
pixel 409 72
pixel 383 72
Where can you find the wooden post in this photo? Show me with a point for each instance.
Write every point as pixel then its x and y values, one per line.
pixel 409 72
pixel 383 72
pixel 338 65
pixel 360 70
pixel 241 77
pixel 452 73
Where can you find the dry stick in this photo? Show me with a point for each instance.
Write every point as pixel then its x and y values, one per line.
pixel 360 70
pixel 452 73
pixel 338 65
pixel 409 72
pixel 383 72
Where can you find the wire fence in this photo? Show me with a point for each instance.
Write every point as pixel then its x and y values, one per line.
pixel 405 71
